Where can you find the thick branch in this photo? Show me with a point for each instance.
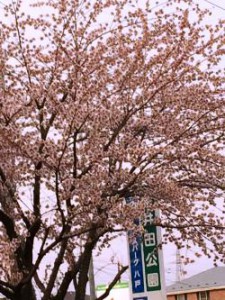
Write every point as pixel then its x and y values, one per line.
pixel 55 270
pixel 39 283
pixel 9 225
pixel 6 292
pixel 11 194
pixel 114 281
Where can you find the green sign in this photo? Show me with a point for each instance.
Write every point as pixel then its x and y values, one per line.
pixel 120 285
pixel 151 258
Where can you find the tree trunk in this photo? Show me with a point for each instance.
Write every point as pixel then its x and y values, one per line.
pixel 83 276
pixel 27 292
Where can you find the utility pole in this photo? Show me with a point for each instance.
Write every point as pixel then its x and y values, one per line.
pixel 179 267
pixel 119 269
pixel 92 280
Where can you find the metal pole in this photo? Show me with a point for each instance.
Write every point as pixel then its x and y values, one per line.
pixel 92 280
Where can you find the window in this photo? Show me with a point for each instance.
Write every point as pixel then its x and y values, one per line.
pixel 204 295
pixel 181 297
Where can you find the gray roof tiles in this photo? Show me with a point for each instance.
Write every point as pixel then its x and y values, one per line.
pixel 212 278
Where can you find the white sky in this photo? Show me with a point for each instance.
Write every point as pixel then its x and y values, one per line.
pixel 118 248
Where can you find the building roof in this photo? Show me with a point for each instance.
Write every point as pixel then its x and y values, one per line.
pixel 210 279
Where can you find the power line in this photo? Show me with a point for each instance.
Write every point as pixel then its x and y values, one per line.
pixel 214 4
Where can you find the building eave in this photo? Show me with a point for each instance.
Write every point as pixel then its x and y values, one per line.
pixel 195 290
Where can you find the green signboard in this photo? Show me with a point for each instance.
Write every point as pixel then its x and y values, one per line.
pixel 151 257
pixel 119 285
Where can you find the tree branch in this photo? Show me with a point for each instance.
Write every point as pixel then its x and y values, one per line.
pixel 9 225
pixel 113 283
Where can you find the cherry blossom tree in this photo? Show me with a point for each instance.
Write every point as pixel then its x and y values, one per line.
pixel 101 100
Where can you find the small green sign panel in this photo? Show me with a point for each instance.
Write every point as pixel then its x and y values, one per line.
pixel 119 285
pixel 151 258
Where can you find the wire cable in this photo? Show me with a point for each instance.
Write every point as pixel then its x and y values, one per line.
pixel 214 4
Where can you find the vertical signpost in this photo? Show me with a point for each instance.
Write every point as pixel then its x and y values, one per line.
pixel 151 257
pixel 136 266
pixel 146 263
